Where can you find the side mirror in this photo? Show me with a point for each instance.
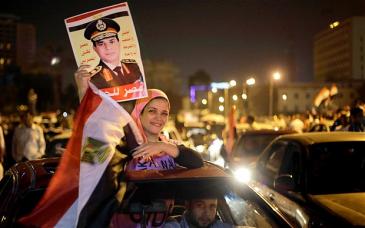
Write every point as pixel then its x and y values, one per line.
pixel 284 183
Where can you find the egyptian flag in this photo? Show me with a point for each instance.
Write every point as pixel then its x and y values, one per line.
pixel 88 184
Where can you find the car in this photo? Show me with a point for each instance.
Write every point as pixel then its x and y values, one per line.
pixel 317 179
pixel 56 144
pixel 25 183
pixel 250 144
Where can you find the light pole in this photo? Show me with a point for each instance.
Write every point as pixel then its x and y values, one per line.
pixel 275 77
pixel 249 82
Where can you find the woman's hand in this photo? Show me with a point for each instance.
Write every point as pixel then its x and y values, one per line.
pixel 151 149
pixel 82 76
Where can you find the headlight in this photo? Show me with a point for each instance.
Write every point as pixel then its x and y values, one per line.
pixel 242 175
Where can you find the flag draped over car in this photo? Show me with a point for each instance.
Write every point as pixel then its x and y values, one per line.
pixel 88 184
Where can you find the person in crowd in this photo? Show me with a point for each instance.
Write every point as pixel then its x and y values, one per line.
pixel 111 70
pixel 199 213
pixel 297 124
pixel 2 150
pixel 28 139
pixel 151 114
pixel 341 121
pixel 356 120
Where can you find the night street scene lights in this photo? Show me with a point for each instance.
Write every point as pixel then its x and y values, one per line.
pixel 276 76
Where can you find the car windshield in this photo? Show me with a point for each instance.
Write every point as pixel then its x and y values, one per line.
pixel 236 206
pixel 337 167
pixel 252 145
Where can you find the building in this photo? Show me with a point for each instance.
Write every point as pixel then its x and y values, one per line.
pixel 339 51
pixel 17 42
pixel 299 97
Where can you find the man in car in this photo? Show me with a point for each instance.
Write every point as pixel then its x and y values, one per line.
pixel 199 213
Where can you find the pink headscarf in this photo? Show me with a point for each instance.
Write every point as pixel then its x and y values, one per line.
pixel 141 104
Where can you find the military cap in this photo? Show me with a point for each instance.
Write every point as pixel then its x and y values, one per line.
pixel 100 29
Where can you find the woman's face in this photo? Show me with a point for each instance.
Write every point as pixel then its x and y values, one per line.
pixel 154 116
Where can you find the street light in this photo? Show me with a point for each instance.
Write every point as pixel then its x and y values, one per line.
pixel 249 83
pixel 275 77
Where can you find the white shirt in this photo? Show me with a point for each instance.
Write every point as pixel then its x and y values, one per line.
pixel 28 143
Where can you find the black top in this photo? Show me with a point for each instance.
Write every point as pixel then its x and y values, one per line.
pixel 188 158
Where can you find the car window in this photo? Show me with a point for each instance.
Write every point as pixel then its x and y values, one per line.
pixel 237 205
pixel 252 145
pixel 291 162
pixel 276 156
pixel 336 167
pixel 246 212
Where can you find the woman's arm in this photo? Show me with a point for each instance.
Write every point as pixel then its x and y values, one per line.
pixel 182 155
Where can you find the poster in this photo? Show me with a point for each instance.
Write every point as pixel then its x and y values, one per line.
pixel 106 40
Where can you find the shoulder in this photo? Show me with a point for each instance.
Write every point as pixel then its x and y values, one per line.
pixel 96 70
pixel 220 224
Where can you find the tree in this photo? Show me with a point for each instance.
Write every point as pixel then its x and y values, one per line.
pixel 200 77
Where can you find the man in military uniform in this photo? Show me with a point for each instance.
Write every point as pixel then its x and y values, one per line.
pixel 111 71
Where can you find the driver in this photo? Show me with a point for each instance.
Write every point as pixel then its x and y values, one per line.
pixel 199 213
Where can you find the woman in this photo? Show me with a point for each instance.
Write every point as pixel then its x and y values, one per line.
pixel 157 152
pixel 151 114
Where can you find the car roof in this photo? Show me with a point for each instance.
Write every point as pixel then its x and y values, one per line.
pixel 208 171
pixel 309 138
pixel 266 132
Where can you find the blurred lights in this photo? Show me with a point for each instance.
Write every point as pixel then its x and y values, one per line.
pixel 242 175
pixel 64 114
pixel 244 96
pixel 251 81
pixel 276 76
pixel 334 24
pixel 214 90
pixel 284 97
pixel 235 97
pixel 221 99
pixel 232 83
pixel 55 61
pixel 204 101
pixel 221 108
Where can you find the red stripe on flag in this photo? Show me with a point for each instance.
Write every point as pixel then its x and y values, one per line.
pixel 63 188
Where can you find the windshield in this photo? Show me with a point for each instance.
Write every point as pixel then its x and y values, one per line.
pixel 337 167
pixel 252 145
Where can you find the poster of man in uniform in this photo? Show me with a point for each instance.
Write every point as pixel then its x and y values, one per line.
pixel 106 40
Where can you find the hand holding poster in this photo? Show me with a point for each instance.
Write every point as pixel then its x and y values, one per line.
pixel 106 39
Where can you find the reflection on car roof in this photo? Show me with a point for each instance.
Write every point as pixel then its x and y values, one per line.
pixel 325 137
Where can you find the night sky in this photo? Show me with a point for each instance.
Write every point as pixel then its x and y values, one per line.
pixel 229 39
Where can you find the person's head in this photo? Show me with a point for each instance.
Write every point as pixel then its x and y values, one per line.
pixel 104 35
pixel 356 115
pixel 201 212
pixel 250 119
pixel 26 118
pixel 151 113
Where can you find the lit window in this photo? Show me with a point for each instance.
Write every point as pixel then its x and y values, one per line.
pixel 2 61
pixel 8 46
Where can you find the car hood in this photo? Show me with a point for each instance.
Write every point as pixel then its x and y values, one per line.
pixel 350 206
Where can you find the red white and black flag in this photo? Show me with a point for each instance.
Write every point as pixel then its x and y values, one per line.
pixel 88 184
